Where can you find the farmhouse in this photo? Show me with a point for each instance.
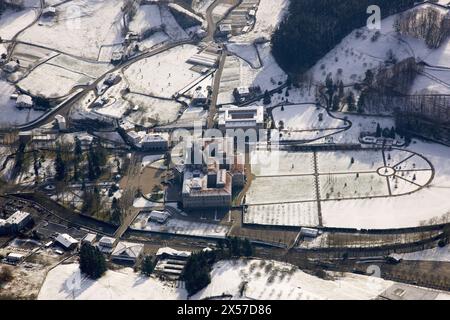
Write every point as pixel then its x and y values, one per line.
pixel 89 239
pixel 24 101
pixel 66 241
pixel 49 12
pixel 106 244
pixel 11 67
pixel 127 252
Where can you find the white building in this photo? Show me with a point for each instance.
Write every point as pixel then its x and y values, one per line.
pixel 134 137
pixel 49 12
pixel 241 118
pixel 155 141
pixel 61 122
pixel 309 232
pixel 159 216
pixel 127 252
pixel 106 244
pixel 19 220
pixel 66 241
pixel 89 239
pixel 24 101
pixel 14 258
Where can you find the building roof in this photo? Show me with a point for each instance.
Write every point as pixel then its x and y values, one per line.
pixel 17 217
pixel 172 252
pixel 128 250
pixel 24 99
pixel 107 241
pixel 90 237
pixel 66 240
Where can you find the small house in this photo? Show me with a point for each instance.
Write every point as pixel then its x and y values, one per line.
pixel 127 252
pixel 66 241
pixel 89 239
pixel 24 101
pixel 11 67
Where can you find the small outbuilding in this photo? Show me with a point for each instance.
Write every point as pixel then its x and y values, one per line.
pixel 66 241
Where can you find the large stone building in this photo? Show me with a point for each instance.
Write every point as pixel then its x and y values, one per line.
pixel 211 169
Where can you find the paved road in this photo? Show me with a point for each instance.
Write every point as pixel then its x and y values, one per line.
pixel 216 87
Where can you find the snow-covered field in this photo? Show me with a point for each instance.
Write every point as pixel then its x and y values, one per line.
pixel 435 254
pixel 358 52
pixel 264 190
pixel 428 205
pixel 58 76
pixel 305 117
pixel 280 281
pixel 172 70
pixel 66 283
pixel 12 22
pixel 287 214
pixel 147 17
pixel 265 280
pixel 153 111
pixel 283 190
pixel 82 28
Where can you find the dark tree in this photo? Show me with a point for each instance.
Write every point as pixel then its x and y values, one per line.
pixel 92 261
pixel 267 99
pixel 60 166
pixel 147 266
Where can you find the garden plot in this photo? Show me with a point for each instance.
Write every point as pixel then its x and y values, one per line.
pixel 162 75
pixel 11 22
pixel 405 160
pixel 348 186
pixel 50 81
pixel 306 117
pixel 147 18
pixel 30 55
pixel 11 116
pixel 425 206
pixel 151 111
pixel 280 163
pixel 289 214
pixel 181 227
pixel 81 31
pixel 341 161
pixel 93 70
pixel 409 181
pixel 281 190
